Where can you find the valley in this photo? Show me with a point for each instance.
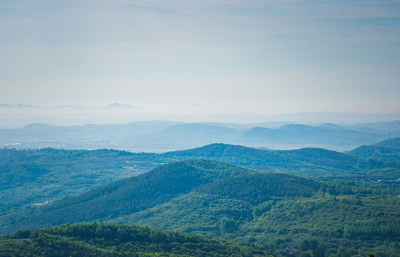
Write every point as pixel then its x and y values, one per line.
pixel 200 128
pixel 309 200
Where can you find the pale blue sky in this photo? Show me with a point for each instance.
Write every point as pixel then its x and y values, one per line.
pixel 226 56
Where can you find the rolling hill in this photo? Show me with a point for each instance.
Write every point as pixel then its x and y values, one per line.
pixel 384 150
pixel 161 185
pixel 111 240
pixel 327 135
pixel 30 178
pixel 274 210
pixel 132 194
pixel 301 159
pixel 34 177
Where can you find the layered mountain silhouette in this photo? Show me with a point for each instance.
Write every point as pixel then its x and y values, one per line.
pixel 162 136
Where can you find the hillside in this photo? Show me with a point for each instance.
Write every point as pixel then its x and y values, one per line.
pixel 159 186
pixel 30 178
pixel 331 135
pixel 34 177
pixel 363 223
pixel 235 154
pixel 127 195
pixel 111 240
pixel 303 159
pixel 384 150
pixel 393 143
pixel 273 210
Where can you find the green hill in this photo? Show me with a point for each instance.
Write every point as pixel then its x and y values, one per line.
pixel 159 186
pixel 385 150
pixel 111 240
pixel 37 177
pixel 129 195
pixel 354 221
pixel 235 154
pixel 31 179
pixel 34 178
pixel 302 159
pixel 272 210
pixel 393 143
pixel 260 187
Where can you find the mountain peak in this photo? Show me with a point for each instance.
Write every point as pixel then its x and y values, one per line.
pixel 118 105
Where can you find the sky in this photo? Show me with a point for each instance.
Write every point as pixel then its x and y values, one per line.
pixel 225 57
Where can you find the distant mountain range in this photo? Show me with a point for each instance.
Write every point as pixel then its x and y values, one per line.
pixel 162 136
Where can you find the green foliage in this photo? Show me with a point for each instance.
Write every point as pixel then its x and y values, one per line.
pixel 308 158
pixel 260 187
pixel 385 150
pixel 342 211
pixel 261 208
pixel 317 224
pixel 194 212
pixel 110 240
pixel 129 195
pixel 228 225
pixel 389 229
pixel 29 177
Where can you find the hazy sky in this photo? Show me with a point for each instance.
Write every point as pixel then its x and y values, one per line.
pixel 258 56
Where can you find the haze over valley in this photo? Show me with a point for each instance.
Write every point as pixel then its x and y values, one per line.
pixel 162 136
pixel 200 128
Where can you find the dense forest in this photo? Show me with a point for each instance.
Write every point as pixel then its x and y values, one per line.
pixel 343 205
pixel 129 195
pixel 29 178
pixel 385 150
pixel 110 240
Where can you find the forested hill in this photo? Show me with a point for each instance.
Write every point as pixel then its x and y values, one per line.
pixel 274 210
pixel 106 240
pixel 393 143
pixel 306 158
pixel 37 177
pixel 385 150
pixel 160 185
